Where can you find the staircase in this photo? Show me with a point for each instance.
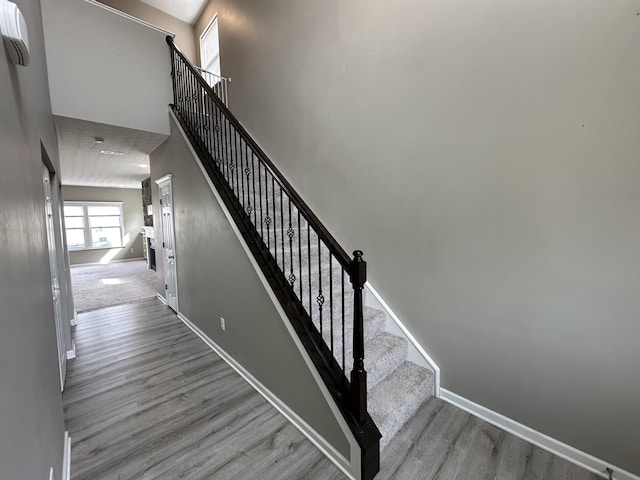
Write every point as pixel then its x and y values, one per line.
pixel 319 286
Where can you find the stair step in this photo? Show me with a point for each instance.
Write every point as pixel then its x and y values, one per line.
pixel 374 322
pixel 383 354
pixel 397 398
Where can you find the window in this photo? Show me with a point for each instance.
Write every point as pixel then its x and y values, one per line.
pixel 93 225
pixel 210 52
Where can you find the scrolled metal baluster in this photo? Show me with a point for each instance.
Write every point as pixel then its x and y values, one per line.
pixel 291 233
pixel 320 297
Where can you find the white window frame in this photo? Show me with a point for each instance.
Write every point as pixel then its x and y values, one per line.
pixel 87 224
pixel 206 39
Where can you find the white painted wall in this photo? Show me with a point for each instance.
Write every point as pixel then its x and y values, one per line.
pixel 105 68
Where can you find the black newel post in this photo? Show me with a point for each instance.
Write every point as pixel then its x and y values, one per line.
pixel 358 374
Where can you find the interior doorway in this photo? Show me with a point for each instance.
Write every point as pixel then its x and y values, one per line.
pixel 168 242
pixel 58 309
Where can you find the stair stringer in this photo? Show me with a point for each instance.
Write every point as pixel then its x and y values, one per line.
pixel 349 466
pixel 416 353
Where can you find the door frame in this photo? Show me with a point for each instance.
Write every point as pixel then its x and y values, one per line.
pixel 167 181
pixel 58 301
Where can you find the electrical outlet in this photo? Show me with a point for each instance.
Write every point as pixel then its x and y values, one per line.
pixel 223 324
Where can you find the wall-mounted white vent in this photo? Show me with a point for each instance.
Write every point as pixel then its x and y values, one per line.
pixel 14 33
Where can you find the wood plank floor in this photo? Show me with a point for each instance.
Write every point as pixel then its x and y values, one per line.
pixel 147 399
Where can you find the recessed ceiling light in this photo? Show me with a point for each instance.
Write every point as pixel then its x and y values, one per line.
pixel 99 139
pixel 109 152
pixel 143 165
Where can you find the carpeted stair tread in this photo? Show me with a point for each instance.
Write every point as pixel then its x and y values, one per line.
pixel 383 354
pixel 396 398
pixel 374 321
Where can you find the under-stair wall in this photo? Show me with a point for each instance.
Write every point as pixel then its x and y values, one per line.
pixel 216 278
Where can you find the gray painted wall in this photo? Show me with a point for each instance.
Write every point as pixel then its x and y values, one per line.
pixel 484 155
pixel 185 38
pixel 216 279
pixel 31 419
pixel 106 68
pixel 133 219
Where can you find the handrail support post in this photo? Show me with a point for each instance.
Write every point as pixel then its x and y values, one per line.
pixel 358 374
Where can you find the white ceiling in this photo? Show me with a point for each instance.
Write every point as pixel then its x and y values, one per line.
pixel 81 162
pixel 186 10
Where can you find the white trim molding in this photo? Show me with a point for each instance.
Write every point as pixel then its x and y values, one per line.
pixel 556 447
pixel 413 342
pixel 314 437
pixel 66 459
pixel 71 354
pixel 74 320
pixel 162 299
pixel 130 17
pixel 135 259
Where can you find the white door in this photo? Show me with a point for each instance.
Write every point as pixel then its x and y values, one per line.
pixel 168 243
pixel 55 277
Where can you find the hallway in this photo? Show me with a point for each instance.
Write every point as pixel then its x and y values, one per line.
pixel 147 399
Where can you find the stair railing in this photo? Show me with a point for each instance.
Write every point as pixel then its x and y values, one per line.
pixel 316 282
pixel 218 83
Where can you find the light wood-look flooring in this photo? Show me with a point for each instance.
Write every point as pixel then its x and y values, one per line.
pixel 147 399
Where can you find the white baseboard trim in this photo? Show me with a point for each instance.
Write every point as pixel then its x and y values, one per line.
pixel 314 437
pixel 66 459
pixel 412 340
pixel 110 261
pixel 556 447
pixel 71 354
pixel 74 320
pixel 162 299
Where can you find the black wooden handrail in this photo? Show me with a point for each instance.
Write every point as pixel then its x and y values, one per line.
pixel 302 274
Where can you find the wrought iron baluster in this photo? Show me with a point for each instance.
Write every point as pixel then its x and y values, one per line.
pixel 309 269
pixel 320 297
pixel 267 220
pixel 218 141
pixel 283 268
pixel 247 172
pixel 343 317
pixel 330 298
pixel 275 219
pixel 240 167
pixel 260 197
pixel 299 257
pixel 253 186
pixel 290 233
